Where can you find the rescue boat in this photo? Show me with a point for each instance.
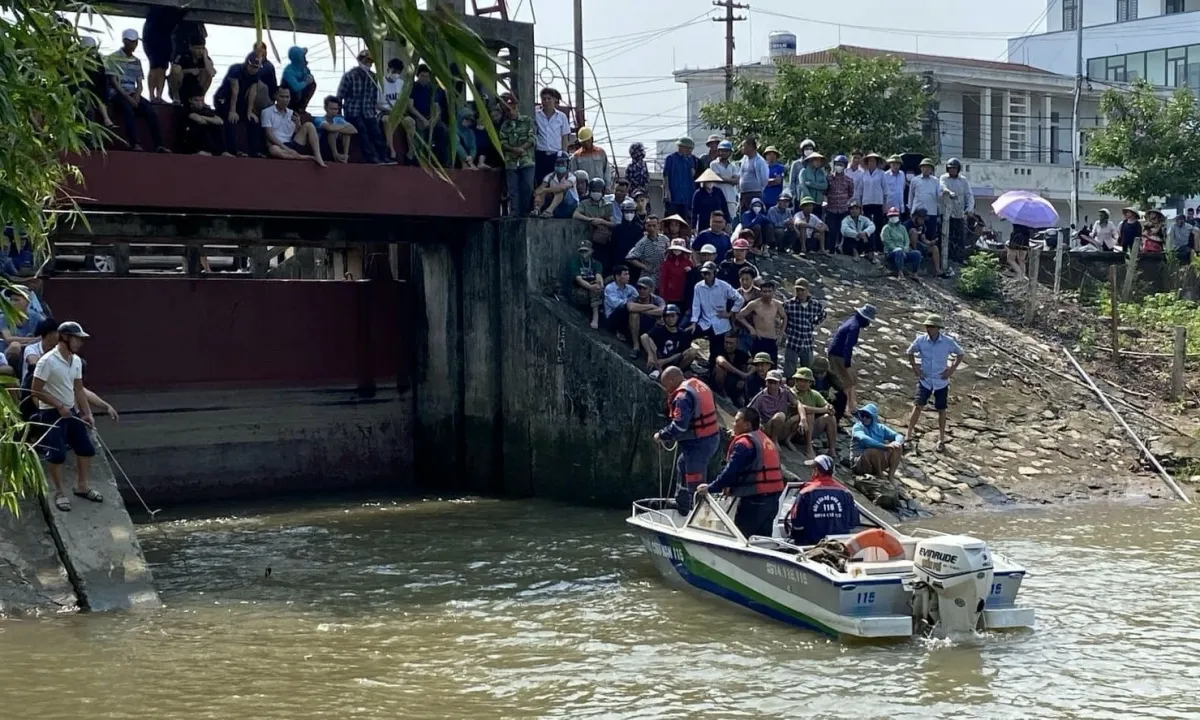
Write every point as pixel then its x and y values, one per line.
pixel 874 583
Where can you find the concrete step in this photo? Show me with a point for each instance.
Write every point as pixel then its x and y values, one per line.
pixel 99 545
pixel 33 580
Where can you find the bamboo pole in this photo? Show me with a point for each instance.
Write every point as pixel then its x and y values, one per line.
pixel 1177 384
pixel 1116 314
pixel 1131 270
pixel 1128 431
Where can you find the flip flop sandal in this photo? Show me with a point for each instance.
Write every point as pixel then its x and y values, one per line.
pixel 940 447
pixel 92 494
pixel 62 503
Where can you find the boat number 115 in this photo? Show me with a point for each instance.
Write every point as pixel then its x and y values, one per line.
pixel 865 598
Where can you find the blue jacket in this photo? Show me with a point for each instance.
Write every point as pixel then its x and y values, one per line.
pixel 741 458
pixel 721 242
pixel 750 220
pixel 824 507
pixel 845 339
pixel 875 435
pixel 684 408
pixel 771 193
pixel 296 75
pixel 679 175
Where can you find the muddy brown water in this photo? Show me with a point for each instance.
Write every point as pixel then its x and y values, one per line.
pixel 492 609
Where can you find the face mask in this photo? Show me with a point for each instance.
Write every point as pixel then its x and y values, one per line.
pixel 807 152
pixel 839 169
pixel 596 195
pixel 393 77
pixel 707 186
pixel 893 220
pixel 756 209
pixel 560 169
pixel 627 215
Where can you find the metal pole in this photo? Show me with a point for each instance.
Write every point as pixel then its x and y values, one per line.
pixel 729 20
pixel 1076 145
pixel 580 117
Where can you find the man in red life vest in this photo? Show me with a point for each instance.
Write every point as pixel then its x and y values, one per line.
pixel 694 425
pixel 823 507
pixel 753 473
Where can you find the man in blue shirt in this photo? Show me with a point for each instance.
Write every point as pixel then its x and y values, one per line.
pixel 877 448
pixel 679 178
pixel 824 506
pixel 13 339
pixel 933 375
pixel 841 349
pixel 775 173
pixel 716 236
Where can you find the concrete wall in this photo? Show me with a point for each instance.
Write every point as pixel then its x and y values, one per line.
pixel 194 446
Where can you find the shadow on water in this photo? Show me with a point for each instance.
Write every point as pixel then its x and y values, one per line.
pixel 479 608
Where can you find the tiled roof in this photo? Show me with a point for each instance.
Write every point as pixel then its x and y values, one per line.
pixel 822 57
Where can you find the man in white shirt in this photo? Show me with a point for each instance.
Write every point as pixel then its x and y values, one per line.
pixel 711 309
pixel 871 195
pixel 64 413
pixel 553 130
pixel 284 139
pixel 925 193
pixel 730 174
pixel 856 231
pixel 855 172
pixel 1104 233
pixel 755 174
pixel 894 183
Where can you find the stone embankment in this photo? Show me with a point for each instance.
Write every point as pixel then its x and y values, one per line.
pixel 1022 427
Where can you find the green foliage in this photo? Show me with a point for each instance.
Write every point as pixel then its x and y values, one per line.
pixel 1156 143
pixel 856 103
pixel 1161 312
pixel 980 277
pixel 42 65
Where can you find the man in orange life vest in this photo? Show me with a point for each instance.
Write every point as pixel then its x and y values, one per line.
pixel 823 507
pixel 753 473
pixel 694 425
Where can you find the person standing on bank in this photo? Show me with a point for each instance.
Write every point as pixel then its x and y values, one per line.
pixel 64 414
pixel 841 349
pixel 933 374
pixel 694 425
pixel 753 473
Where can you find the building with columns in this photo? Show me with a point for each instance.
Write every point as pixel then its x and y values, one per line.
pixel 1009 123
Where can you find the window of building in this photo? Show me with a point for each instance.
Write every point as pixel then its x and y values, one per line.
pixel 1115 70
pixel 1156 67
pixel 1069 8
pixel 1176 67
pixel 1135 66
pixel 1126 10
pixel 1095 68
pixel 1174 6
pixel 1171 68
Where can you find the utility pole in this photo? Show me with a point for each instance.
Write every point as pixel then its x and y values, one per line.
pixel 729 20
pixel 1076 146
pixel 580 118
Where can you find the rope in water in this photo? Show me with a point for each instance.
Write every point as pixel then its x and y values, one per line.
pixel 673 448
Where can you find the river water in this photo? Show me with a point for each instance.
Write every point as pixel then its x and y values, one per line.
pixel 493 609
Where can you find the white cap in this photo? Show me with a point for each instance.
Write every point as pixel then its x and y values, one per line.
pixel 708 249
pixel 129 34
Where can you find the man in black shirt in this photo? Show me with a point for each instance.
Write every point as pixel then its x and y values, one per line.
pixel 236 101
pixel 667 345
pixel 191 60
pixel 730 369
pixel 200 126
pixel 1131 228
pixel 731 268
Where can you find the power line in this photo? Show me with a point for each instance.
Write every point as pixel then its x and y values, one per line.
pixel 622 47
pixel 948 34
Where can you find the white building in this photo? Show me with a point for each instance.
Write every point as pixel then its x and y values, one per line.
pixel 1122 40
pixel 1009 123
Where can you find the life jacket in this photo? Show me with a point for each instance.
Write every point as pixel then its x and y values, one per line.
pixel 823 507
pixel 704 414
pixel 764 475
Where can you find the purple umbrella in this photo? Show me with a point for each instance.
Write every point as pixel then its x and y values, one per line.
pixel 1022 207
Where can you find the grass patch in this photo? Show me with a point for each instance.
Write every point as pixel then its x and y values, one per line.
pixel 980 277
pixel 1160 312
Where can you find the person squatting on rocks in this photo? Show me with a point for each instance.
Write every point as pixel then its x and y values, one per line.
pixel 933 374
pixel 694 425
pixel 753 473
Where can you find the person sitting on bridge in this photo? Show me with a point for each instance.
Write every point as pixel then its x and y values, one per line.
pixel 14 338
pixel 288 136
pixel 201 129
pixel 694 425
pixel 823 507
pixel 556 196
pixel 753 473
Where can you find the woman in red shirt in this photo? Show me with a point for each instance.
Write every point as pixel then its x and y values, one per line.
pixel 672 274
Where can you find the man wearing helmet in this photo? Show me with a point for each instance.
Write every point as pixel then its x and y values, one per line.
pixel 64 411
pixel 956 194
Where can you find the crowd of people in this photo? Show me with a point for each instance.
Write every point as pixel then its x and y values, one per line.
pixel 1180 236
pixel 45 371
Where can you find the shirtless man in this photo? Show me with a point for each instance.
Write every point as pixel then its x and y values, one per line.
pixel 765 319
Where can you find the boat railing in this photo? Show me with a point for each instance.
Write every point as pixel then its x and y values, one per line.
pixel 659 512
pixel 710 516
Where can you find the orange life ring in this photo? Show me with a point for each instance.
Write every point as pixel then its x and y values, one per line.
pixel 875 538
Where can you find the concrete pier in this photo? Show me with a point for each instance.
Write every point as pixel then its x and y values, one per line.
pixel 99 545
pixel 33 580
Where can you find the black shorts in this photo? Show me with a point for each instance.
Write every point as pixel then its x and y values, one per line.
pixel 940 397
pixel 302 149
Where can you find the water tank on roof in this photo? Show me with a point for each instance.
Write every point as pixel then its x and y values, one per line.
pixel 782 43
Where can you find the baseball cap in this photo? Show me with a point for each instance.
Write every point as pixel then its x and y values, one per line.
pixel 775 376
pixel 645 282
pixel 129 34
pixel 708 267
pixel 671 309
pixel 678 244
pixel 741 244
pixel 708 250
pixel 824 462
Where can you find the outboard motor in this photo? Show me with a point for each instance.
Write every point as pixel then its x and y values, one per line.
pixel 953 580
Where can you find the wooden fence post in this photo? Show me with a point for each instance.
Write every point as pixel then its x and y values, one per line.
pixel 1131 268
pixel 1177 363
pixel 1035 261
pixel 1116 316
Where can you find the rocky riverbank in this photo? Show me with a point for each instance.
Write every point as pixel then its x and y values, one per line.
pixel 1023 428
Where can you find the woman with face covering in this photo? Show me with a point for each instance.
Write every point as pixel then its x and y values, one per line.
pixel 299 79
pixel 636 172
pixel 708 199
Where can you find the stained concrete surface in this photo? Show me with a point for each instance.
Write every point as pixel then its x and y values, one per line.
pixel 33 580
pixel 99 544
pixel 192 446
